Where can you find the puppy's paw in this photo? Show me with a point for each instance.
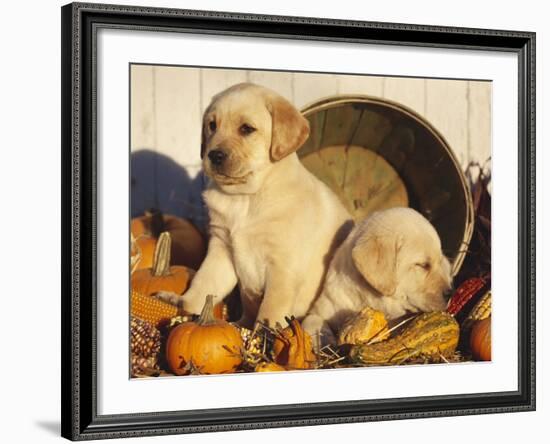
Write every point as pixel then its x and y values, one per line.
pixel 193 305
pixel 170 297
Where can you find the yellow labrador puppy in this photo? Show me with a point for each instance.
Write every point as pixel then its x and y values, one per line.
pixel 392 262
pixel 273 225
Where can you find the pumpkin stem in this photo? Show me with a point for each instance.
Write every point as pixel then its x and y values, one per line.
pixel 157 221
pixel 161 259
pixel 207 313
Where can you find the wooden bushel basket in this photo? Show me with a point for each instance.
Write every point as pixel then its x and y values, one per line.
pixel 378 154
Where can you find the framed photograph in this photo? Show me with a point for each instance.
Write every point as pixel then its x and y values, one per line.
pixel 276 221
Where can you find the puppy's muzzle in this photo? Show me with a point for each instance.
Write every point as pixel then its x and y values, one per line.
pixel 217 157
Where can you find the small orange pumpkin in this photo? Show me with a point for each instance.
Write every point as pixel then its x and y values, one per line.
pixel 146 247
pixel 269 367
pixel 188 244
pixel 135 254
pixel 480 339
pixel 209 345
pixel 293 348
pixel 161 276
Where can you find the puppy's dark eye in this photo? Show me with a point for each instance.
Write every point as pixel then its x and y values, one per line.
pixel 212 125
pixel 245 129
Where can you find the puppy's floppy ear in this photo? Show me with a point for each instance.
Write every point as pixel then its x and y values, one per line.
pixel 203 144
pixel 375 257
pixel 208 109
pixel 289 128
pixel 203 139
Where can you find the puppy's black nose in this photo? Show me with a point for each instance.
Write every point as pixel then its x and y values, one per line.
pixel 217 156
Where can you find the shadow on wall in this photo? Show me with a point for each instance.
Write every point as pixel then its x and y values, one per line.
pixel 159 182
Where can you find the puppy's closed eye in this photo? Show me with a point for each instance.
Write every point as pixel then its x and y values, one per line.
pixel 245 129
pixel 426 266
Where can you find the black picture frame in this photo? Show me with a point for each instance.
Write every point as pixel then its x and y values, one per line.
pixel 79 208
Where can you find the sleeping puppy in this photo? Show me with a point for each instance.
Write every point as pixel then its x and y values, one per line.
pixel 273 225
pixel 392 262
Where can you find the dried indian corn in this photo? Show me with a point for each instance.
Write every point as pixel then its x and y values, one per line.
pixel 145 343
pixel 252 345
pixel 151 309
pixel 467 290
pixel 141 366
pixel 144 338
pixel 481 310
pixel 252 340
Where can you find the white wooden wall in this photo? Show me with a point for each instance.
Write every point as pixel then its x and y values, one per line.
pixel 167 105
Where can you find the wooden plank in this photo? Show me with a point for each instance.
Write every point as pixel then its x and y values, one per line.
pixel 142 139
pixel 447 110
pixel 341 125
pixel 310 88
pixel 479 121
pixel 363 85
pixel 142 108
pixel 214 81
pixel 372 130
pixel 178 114
pixel 177 117
pixel 280 82
pixel 406 91
pixel 317 122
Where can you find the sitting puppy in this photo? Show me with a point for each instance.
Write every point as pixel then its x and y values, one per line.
pixel 273 225
pixel 392 262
